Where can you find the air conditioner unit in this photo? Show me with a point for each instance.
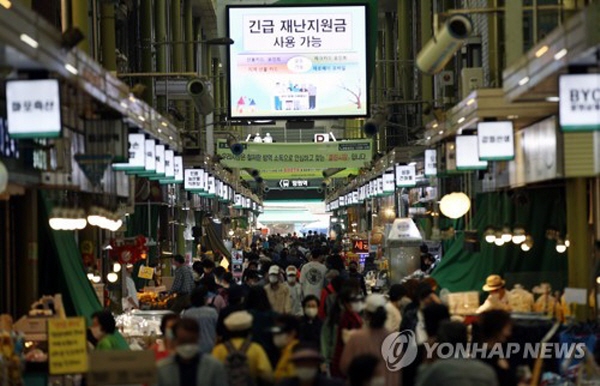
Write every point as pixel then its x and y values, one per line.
pixel 471 79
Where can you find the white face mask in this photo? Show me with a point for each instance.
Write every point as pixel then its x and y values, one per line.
pixel 311 312
pixel 96 332
pixel 377 381
pixel 291 279
pixel 280 340
pixel 273 279
pixel 306 373
pixel 187 351
pixel 357 306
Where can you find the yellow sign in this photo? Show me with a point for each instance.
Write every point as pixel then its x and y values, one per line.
pixel 67 347
pixel 146 272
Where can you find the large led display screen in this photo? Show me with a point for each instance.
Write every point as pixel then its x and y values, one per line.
pixel 298 61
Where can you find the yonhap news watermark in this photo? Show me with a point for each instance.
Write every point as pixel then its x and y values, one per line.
pixel 400 349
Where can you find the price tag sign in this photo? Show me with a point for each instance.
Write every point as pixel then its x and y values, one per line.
pixel 146 272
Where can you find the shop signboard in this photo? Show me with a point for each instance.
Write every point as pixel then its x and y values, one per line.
pixel 496 141
pixel 328 207
pixel 292 184
pixel 212 187
pixel 342 201
pixel 430 163
pixel 137 154
pixel 178 169
pixel 237 201
pixel 355 197
pixel 579 104
pixel 67 346
pixel 324 155
pixel 160 160
pixel 150 156
pixel 360 246
pixel 33 108
pixel 467 154
pixel 388 182
pixel 542 160
pixel 169 164
pixel 298 61
pixel 406 176
pixel 193 180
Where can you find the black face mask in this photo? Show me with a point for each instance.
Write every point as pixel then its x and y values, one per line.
pixel 353 270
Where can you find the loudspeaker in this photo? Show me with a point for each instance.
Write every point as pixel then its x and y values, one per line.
pixel 201 97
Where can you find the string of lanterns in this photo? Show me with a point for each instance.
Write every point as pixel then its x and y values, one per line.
pixel 518 236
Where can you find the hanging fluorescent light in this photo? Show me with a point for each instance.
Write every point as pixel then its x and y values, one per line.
pixel 455 205
pixel 499 241
pixel 519 235
pixel 490 235
pixel 506 234
pixel 539 53
pixel 112 277
pixel 527 244
pixel 560 246
pixel 524 81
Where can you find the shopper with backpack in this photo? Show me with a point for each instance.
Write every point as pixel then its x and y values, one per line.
pixel 246 363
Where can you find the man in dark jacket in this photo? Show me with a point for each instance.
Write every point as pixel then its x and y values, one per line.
pixel 307 362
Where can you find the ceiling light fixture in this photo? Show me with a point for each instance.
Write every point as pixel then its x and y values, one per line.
pixel 552 99
pixel 539 53
pixel 470 101
pixel 29 41
pixel 560 54
pixel 71 69
pixel 524 81
pixel 461 120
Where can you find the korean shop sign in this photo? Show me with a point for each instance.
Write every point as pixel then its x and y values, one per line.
pixel 579 102
pixel 406 176
pixel 33 108
pixel 343 154
pixel 496 141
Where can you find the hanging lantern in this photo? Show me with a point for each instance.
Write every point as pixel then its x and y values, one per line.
pixel 455 205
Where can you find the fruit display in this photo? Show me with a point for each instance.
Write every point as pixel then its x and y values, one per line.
pixel 11 364
pixel 155 301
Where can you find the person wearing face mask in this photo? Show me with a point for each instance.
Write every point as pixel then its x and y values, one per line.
pixel 347 314
pixel 278 294
pixel 354 274
pixel 165 346
pixel 310 324
pixel 104 330
pixel 370 340
pixel 188 366
pixel 252 358
pixel 295 289
pixel 307 361
pixel 285 338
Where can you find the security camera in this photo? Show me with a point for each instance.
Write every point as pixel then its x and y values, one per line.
pixel 201 96
pixel 448 40
pixel 235 147
pixel 370 128
pixel 266 189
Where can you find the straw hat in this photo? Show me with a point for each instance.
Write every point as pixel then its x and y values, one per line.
pixel 493 282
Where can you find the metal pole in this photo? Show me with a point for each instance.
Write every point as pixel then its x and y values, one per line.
pixel 189 59
pixel 426 34
pixel 80 13
pixel 107 36
pixel 403 45
pixel 146 18
pixel 65 14
pixel 160 12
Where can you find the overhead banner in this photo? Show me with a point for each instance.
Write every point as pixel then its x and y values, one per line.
pixel 325 155
pixel 297 174
pixel 496 141
pixel 298 61
pixel 579 102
